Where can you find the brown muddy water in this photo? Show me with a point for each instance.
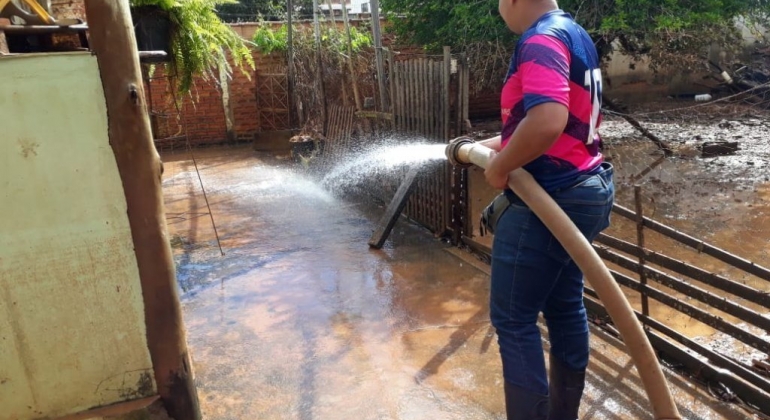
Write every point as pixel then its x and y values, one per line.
pixel 301 320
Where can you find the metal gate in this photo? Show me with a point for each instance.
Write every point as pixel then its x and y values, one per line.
pixel 429 99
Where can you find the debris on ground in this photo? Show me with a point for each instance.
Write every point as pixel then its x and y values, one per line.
pixel 752 78
pixel 307 146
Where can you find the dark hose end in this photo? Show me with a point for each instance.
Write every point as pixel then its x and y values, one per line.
pixel 454 147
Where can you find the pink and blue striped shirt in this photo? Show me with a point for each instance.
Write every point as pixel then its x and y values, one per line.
pixel 556 61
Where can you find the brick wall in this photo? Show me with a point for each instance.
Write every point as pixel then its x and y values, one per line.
pixel 243 95
pixel 203 109
pixel 201 116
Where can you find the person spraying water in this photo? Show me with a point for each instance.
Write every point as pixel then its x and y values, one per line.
pixel 551 104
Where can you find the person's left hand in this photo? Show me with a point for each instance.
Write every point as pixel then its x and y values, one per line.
pixel 495 178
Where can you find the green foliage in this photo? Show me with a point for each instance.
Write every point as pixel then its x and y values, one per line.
pixel 200 41
pixel 268 40
pixel 640 25
pixel 262 10
pixel 435 23
pixel 330 63
pixel 333 40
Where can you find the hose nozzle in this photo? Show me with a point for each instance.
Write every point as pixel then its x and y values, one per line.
pixel 453 148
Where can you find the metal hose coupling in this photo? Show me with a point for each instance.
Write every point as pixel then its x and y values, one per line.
pixel 454 146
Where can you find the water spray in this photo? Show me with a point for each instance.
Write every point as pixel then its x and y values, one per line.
pixel 465 152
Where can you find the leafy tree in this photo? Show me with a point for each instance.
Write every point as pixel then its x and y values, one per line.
pixel 260 10
pixel 640 27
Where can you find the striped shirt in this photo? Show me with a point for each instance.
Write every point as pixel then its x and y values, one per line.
pixel 556 61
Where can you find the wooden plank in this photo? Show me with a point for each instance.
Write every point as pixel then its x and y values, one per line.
pixel 432 103
pixel 333 144
pixel 112 41
pixel 427 99
pixel 416 98
pixel 335 122
pixel 424 199
pixel 402 97
pixel 439 104
pixel 342 128
pixel 114 410
pixel 332 113
pixel 349 128
pixel 417 101
pixel 459 99
pixel 376 115
pixel 391 85
pixel 423 97
pixel 446 76
pixel 396 105
pixel 42 29
pixel 330 144
pixel 442 137
pixel 394 209
pixel 398 112
pixel 466 93
pixel 405 87
pixel 409 115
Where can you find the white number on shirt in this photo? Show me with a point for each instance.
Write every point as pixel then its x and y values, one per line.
pixel 594 83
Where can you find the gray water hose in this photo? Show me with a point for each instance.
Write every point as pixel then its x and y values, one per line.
pixel 465 152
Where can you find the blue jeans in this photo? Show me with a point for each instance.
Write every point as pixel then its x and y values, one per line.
pixel 532 273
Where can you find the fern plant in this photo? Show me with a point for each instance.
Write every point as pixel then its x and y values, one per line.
pixel 200 40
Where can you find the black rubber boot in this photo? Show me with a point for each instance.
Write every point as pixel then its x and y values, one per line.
pixel 521 404
pixel 566 390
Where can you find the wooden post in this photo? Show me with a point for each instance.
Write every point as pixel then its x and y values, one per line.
pixel 375 6
pixel 466 92
pixel 319 67
pixel 290 61
pixel 356 93
pixel 640 243
pixel 459 98
pixel 394 209
pixel 113 43
pixel 445 96
pixel 331 14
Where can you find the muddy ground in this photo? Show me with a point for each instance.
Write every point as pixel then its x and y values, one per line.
pixel 300 320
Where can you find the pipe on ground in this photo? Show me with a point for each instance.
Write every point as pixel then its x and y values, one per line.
pixel 463 152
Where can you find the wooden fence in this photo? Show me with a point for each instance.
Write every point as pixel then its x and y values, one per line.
pixel 340 128
pixel 429 102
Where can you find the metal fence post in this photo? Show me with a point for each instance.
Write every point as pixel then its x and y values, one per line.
pixel 640 243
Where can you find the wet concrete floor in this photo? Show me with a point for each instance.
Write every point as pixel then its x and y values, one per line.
pixel 300 320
